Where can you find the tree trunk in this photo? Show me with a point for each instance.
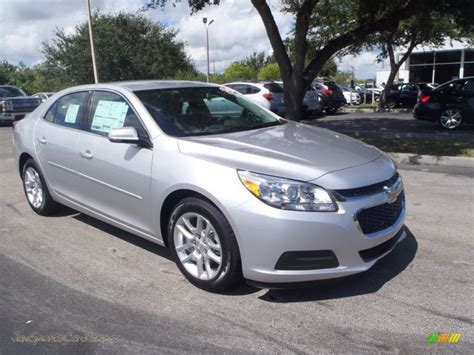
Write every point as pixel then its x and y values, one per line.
pixel 294 92
pixel 388 85
pixel 394 66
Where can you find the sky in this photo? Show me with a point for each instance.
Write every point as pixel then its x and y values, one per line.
pixel 237 30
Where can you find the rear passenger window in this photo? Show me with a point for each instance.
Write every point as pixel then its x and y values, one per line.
pixel 110 111
pixel 68 111
pixel 274 87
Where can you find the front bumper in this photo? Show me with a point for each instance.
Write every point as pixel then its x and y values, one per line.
pixel 427 112
pixel 11 117
pixel 266 233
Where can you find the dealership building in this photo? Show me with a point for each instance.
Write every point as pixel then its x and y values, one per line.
pixel 433 65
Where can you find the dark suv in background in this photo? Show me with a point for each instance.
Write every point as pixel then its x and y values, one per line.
pixel 15 104
pixel 451 104
pixel 332 97
pixel 406 94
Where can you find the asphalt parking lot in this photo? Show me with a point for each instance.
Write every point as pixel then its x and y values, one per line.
pixel 71 275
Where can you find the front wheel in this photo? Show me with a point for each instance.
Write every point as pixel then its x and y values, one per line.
pixel 450 118
pixel 204 246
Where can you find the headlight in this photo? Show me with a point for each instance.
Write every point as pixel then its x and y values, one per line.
pixel 288 194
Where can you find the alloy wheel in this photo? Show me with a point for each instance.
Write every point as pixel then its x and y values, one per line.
pixel 33 187
pixel 197 246
pixel 451 119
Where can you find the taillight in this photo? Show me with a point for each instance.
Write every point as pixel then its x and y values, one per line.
pixel 14 124
pixel 425 98
pixel 268 96
pixel 327 92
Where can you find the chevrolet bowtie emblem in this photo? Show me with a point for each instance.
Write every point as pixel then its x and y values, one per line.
pixel 391 193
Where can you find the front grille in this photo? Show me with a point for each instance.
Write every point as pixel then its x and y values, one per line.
pixel 369 189
pixel 373 253
pixel 379 217
pixel 19 105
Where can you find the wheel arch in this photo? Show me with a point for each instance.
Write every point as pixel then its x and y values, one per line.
pixel 24 157
pixel 171 201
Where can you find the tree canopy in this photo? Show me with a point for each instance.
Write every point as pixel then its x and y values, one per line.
pixel 331 26
pixel 128 46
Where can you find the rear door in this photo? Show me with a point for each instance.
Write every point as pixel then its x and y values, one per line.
pixel 56 137
pixel 115 177
pixel 408 95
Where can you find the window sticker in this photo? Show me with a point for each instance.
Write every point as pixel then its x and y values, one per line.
pixel 109 115
pixel 71 114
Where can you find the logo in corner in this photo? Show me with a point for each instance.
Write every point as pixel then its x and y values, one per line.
pixel 443 338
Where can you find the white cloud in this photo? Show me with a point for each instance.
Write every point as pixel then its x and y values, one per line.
pixel 365 64
pixel 237 31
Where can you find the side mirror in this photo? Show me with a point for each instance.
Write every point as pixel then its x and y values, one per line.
pixel 124 135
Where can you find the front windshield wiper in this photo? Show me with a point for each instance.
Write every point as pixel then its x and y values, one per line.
pixel 268 124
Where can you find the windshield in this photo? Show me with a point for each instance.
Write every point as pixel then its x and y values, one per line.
pixel 10 91
pixel 202 111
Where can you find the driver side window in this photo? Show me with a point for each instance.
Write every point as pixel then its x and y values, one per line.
pixel 111 111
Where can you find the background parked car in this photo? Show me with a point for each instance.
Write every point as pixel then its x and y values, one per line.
pixel 43 95
pixel 266 94
pixel 351 95
pixel 451 104
pixel 406 94
pixel 311 102
pixel 15 104
pixel 331 96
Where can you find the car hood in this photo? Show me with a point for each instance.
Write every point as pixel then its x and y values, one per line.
pixel 291 150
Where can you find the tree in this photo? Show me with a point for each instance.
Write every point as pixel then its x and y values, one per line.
pixel 238 71
pixel 336 25
pixel 128 46
pixel 270 71
pixel 430 28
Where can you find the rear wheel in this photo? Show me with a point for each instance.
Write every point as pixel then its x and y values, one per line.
pixel 204 246
pixel 36 191
pixel 331 111
pixel 391 103
pixel 450 118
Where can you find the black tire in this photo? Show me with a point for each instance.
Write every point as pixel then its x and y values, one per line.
pixel 391 103
pixel 450 119
pixel 230 273
pixel 47 206
pixel 331 111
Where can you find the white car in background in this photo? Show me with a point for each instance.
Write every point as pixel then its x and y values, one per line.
pixel 265 94
pixel 351 95
pixel 311 102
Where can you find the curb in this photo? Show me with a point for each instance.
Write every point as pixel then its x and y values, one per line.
pixel 417 159
pixel 355 109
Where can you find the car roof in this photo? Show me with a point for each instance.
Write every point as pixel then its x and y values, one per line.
pixel 138 85
pixel 255 83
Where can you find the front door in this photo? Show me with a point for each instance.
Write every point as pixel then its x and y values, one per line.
pixel 115 176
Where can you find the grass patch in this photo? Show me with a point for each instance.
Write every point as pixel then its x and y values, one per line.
pixel 422 146
pixel 365 105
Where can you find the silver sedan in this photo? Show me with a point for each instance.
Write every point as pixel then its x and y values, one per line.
pixel 233 190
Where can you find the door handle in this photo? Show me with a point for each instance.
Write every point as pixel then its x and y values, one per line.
pixel 86 154
pixel 42 140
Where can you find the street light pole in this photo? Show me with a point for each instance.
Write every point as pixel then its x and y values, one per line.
pixel 207 25
pixel 94 66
